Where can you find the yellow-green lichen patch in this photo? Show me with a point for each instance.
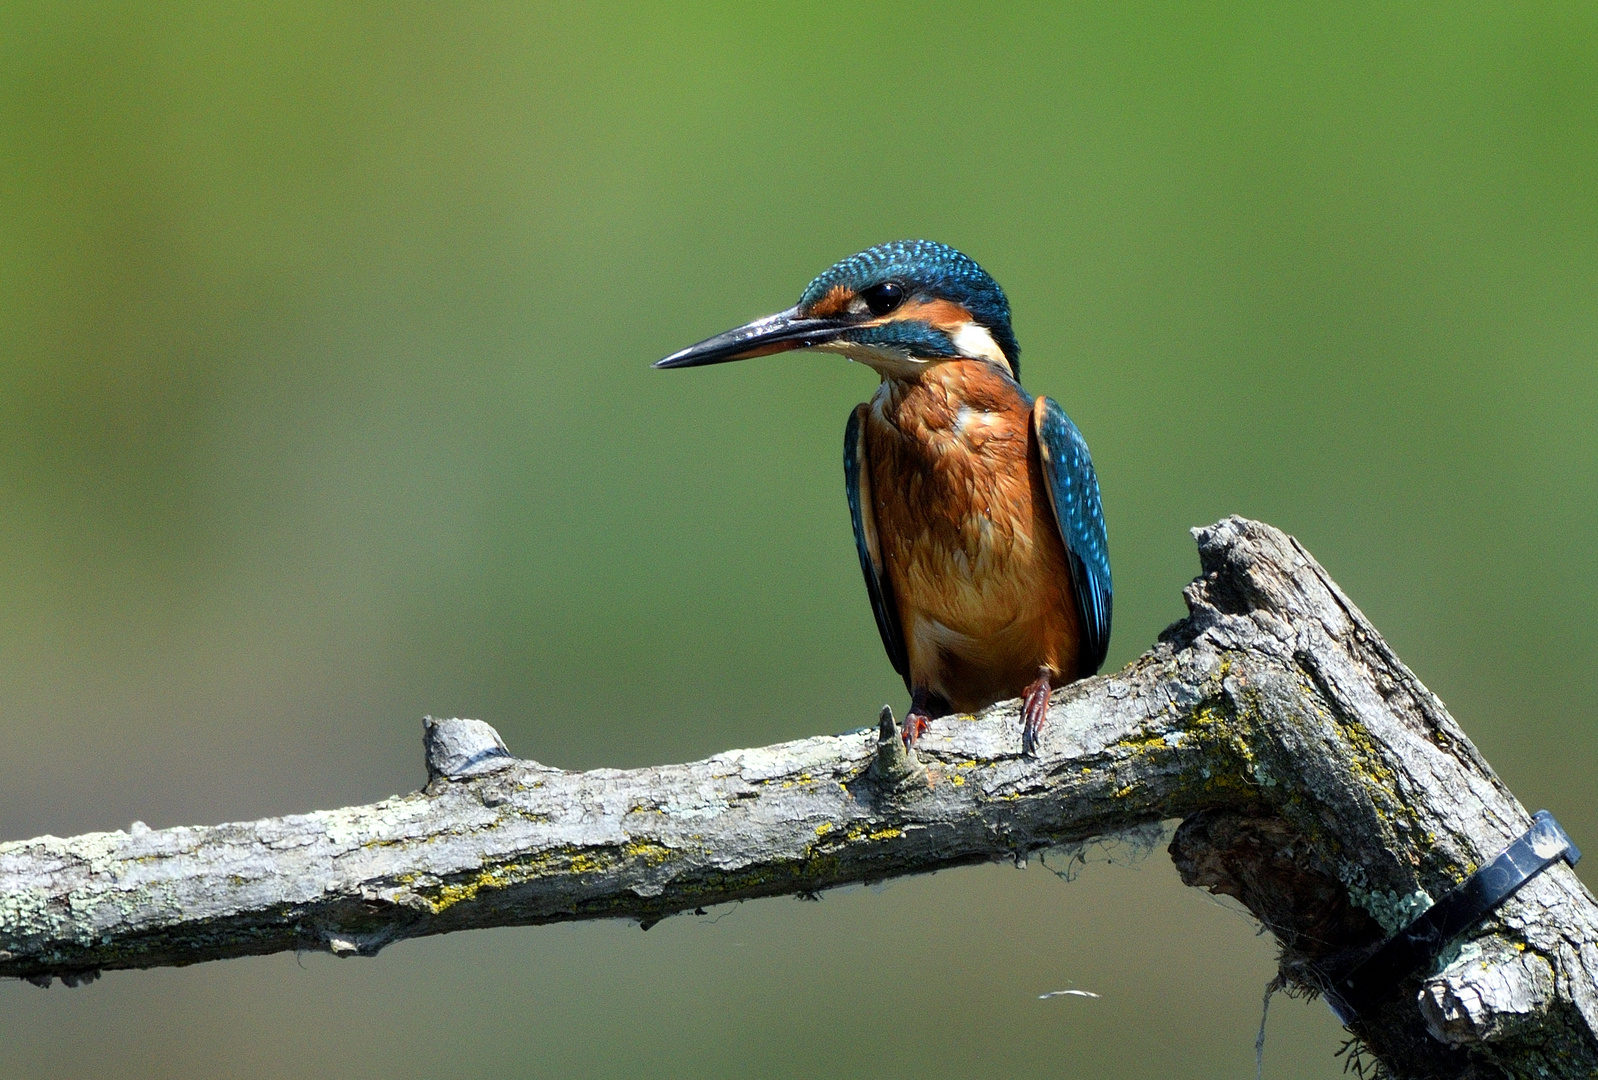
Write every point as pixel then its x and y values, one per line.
pixel 650 853
pixel 450 895
pixel 865 832
pixel 566 860
pixel 1142 744
pixel 1365 757
pixel 1219 756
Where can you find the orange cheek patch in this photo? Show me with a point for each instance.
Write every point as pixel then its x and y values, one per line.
pixel 946 315
pixel 836 302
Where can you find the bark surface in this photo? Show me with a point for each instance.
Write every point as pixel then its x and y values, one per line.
pixel 1317 781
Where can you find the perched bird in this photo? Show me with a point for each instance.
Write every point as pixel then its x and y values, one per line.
pixel 975 507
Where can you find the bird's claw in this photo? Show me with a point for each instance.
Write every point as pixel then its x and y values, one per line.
pixel 915 722
pixel 1034 712
pixel 925 706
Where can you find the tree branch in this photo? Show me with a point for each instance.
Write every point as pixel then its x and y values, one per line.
pixel 1319 782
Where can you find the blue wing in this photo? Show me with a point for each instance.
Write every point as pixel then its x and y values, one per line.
pixel 857 482
pixel 1074 491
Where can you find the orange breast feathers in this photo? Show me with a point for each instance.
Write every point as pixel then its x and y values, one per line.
pixel 968 536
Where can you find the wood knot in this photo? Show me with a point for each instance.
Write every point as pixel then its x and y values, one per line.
pixel 895 765
pixel 459 748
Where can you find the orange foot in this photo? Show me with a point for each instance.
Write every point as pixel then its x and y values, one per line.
pixel 914 724
pixel 925 707
pixel 1034 711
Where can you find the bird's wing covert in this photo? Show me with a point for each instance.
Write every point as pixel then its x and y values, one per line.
pixel 857 482
pixel 1074 491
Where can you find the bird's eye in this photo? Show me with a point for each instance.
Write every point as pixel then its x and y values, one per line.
pixel 883 298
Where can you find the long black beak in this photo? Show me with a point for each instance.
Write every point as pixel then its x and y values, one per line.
pixel 772 334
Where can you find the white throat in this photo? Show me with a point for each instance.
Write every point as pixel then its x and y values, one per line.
pixel 971 339
pixel 974 340
pixel 889 363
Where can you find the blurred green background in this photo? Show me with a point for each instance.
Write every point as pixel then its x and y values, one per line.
pixel 324 403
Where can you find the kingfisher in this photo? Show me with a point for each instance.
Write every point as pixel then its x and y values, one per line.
pixel 975 506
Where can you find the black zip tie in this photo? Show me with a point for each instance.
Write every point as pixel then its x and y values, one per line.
pixel 1418 944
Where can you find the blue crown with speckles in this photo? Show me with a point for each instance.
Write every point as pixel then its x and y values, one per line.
pixel 931 270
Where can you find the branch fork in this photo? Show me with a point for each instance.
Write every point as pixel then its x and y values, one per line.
pixel 1317 781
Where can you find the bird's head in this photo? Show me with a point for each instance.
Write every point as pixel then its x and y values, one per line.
pixel 897 307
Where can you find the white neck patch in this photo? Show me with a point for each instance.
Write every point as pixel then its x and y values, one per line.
pixel 974 341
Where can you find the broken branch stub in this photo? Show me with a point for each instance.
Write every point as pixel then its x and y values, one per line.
pixel 1318 781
